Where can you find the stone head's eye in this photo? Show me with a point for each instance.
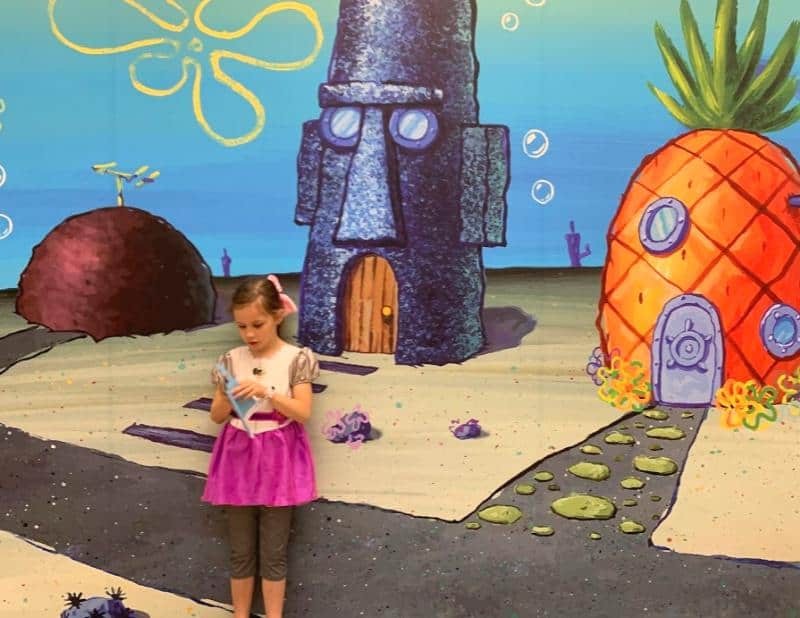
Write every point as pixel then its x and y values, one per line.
pixel 414 128
pixel 341 125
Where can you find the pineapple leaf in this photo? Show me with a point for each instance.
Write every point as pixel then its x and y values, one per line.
pixel 681 114
pixel 726 70
pixel 776 71
pixel 752 47
pixel 698 56
pixel 765 113
pixel 680 74
pixel 782 120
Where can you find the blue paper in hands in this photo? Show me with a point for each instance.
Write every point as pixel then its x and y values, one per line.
pixel 240 405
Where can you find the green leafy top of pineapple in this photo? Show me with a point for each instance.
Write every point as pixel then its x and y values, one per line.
pixel 724 91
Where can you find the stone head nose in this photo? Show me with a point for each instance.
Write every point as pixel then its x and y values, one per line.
pixel 370 213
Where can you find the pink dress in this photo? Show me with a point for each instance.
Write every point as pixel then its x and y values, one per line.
pixel 275 467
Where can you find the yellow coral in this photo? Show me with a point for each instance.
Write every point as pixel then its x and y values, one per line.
pixel 746 404
pixel 625 385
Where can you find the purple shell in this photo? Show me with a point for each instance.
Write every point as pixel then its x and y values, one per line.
pixel 470 429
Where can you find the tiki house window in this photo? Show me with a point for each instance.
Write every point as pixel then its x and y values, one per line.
pixel 780 330
pixel 340 126
pixel 664 225
pixel 413 128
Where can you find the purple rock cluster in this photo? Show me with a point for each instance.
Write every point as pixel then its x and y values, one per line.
pixel 463 431
pixel 350 427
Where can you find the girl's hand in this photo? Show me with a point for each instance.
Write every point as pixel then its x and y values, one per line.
pixel 250 388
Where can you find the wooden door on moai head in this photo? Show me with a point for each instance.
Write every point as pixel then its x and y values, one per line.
pixel 370 307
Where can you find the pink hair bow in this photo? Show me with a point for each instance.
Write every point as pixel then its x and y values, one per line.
pixel 288 303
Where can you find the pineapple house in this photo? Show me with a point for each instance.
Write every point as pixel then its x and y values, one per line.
pixel 702 276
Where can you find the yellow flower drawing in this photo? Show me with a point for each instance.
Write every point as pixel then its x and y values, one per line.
pixel 215 56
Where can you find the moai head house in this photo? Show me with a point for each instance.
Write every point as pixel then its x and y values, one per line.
pixel 401 187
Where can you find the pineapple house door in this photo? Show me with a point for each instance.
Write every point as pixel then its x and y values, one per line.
pixel 370 307
pixel 687 353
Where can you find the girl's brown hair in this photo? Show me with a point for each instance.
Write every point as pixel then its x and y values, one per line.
pixel 261 290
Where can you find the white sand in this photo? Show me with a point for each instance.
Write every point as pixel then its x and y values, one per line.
pixel 531 400
pixel 34 581
pixel 739 494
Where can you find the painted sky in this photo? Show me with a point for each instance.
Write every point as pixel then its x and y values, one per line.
pixel 574 69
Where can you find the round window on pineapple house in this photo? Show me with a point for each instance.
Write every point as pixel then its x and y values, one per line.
pixel 664 225
pixel 780 330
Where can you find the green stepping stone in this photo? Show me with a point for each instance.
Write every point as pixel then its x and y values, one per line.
pixel 622 427
pixel 665 433
pixel 655 498
pixel 543 477
pixel 584 506
pixel 656 415
pixel 631 527
pixel 542 530
pixel 591 471
pixel 554 487
pixel 655 465
pixel 615 437
pixel 631 482
pixel 472 525
pixel 687 415
pixel 500 514
pixel 656 447
pixel 639 425
pixel 591 449
pixel 524 489
pixel 629 502
pixel 595 536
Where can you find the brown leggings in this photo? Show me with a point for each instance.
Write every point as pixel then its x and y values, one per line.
pixel 259 533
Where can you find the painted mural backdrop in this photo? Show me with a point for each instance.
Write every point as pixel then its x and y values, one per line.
pixel 547 253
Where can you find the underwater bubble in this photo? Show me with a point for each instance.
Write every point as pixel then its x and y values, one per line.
pixel 543 191
pixel 2 175
pixel 535 2
pixel 535 143
pixel 509 21
pixel 6 226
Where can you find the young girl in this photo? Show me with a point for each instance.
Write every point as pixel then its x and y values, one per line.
pixel 259 479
